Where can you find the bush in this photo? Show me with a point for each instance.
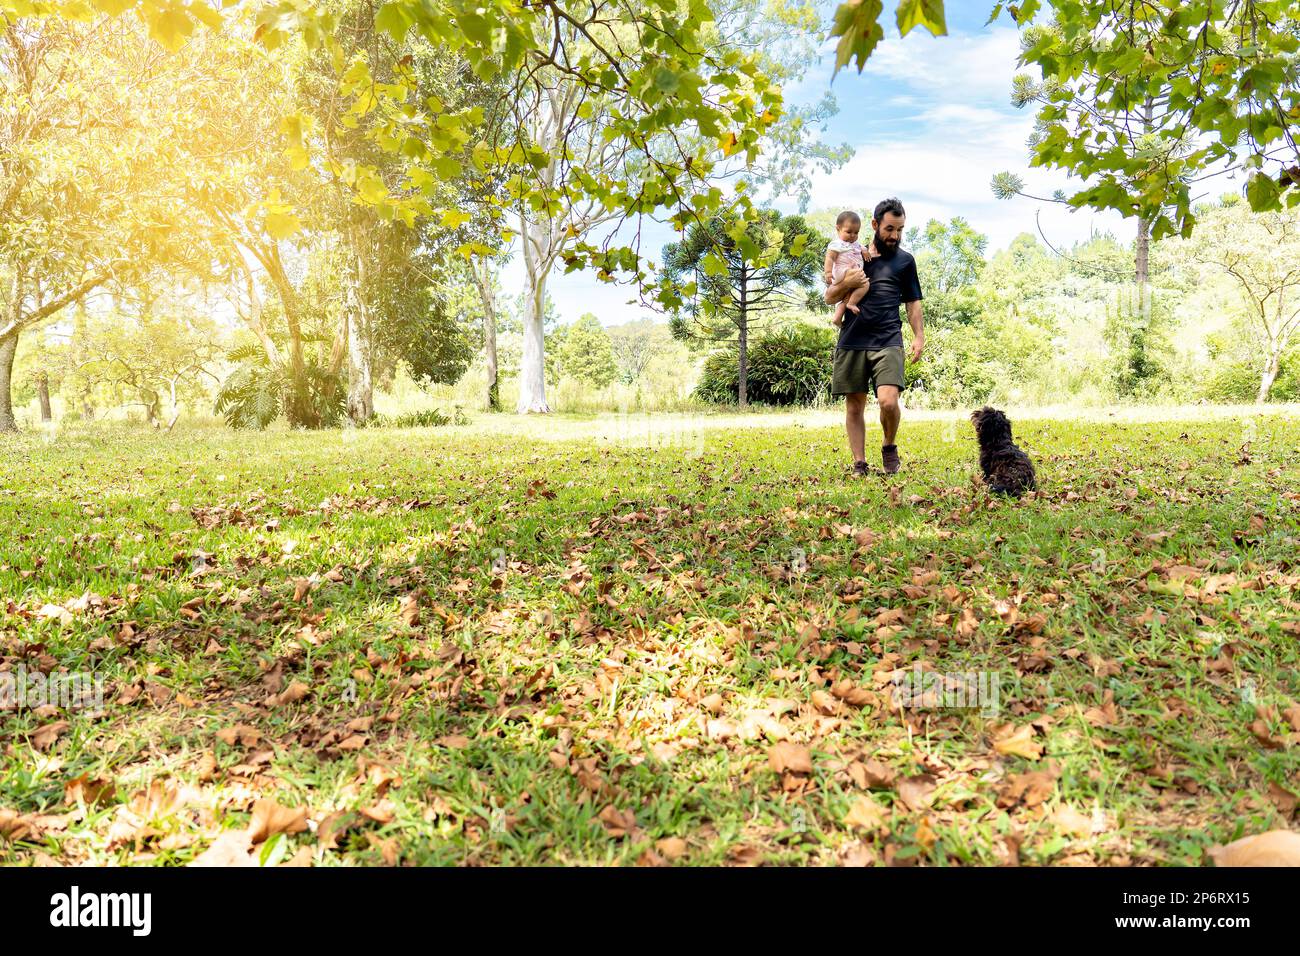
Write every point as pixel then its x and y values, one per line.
pixel 428 418
pixel 258 392
pixel 1239 382
pixel 789 366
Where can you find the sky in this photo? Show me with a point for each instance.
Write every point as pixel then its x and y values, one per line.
pixel 930 121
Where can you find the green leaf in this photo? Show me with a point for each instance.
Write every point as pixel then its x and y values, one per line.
pixel 171 27
pixel 394 20
pixel 858 27
pixel 926 13
pixel 454 218
pixel 112 7
pixel 282 225
pixel 666 81
pixel 1262 192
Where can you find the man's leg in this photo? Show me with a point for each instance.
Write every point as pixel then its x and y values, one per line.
pixel 855 404
pixel 887 396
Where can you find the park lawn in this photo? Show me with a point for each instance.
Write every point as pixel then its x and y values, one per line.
pixel 445 646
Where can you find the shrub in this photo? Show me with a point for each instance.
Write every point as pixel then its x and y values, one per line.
pixel 257 392
pixel 789 366
pixel 428 418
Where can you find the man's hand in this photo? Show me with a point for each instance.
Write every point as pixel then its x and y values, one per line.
pixel 918 345
pixel 852 280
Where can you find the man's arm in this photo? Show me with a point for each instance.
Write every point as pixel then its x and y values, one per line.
pixel 852 280
pixel 918 329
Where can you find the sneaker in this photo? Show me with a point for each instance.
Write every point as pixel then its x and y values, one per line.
pixel 860 469
pixel 889 458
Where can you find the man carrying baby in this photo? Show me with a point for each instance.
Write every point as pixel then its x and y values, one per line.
pixel 869 353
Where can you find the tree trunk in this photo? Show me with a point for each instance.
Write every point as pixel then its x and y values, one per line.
pixel 1268 376
pixel 8 349
pixel 297 406
pixel 176 408
pixel 1142 250
pixel 743 378
pixel 43 393
pixel 490 350
pixel 482 276
pixel 532 369
pixel 1142 244
pixel 361 386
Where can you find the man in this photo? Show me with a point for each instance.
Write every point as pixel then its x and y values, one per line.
pixel 869 354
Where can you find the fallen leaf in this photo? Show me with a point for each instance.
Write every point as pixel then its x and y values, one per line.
pixel 917 793
pixel 1274 848
pixel 46 734
pixel 787 756
pixel 232 848
pixel 865 814
pixel 270 818
pixel 1017 741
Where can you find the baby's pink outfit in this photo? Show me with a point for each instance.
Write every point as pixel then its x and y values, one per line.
pixel 849 255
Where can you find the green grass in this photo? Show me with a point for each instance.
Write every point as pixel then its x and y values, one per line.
pixel 613 636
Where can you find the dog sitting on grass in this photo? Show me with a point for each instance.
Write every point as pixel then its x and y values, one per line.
pixel 1007 469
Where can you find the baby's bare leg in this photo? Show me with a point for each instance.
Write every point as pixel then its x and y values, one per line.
pixel 839 312
pixel 853 298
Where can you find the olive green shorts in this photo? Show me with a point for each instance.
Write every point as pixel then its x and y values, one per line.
pixel 862 370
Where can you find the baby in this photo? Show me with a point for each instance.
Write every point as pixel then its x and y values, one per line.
pixel 843 254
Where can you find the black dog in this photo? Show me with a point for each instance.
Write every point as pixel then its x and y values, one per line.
pixel 1007 469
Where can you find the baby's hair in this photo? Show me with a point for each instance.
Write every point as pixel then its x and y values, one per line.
pixel 847 215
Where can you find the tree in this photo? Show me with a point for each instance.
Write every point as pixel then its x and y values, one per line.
pixel 635 346
pixel 587 355
pixel 1143 101
pixel 1261 252
pixel 732 272
pixel 70 91
pixel 950 259
pixel 158 351
pixel 483 272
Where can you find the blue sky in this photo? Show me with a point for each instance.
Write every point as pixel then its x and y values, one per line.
pixel 930 121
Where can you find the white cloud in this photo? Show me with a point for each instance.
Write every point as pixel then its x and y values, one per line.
pixel 974 67
pixel 931 121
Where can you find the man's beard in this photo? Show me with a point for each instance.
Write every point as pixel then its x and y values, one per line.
pixel 884 247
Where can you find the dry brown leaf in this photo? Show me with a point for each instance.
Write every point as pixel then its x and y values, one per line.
pixel 865 814
pixel 232 848
pixel 671 848
pixel 46 734
pixel 1011 741
pixel 786 756
pixel 917 793
pixel 1274 848
pixel 91 792
pixel 270 818
pixel 295 691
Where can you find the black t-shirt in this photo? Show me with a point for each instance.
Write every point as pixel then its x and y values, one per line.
pixel 877 324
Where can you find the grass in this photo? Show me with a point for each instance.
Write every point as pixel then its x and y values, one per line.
pixel 673 640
